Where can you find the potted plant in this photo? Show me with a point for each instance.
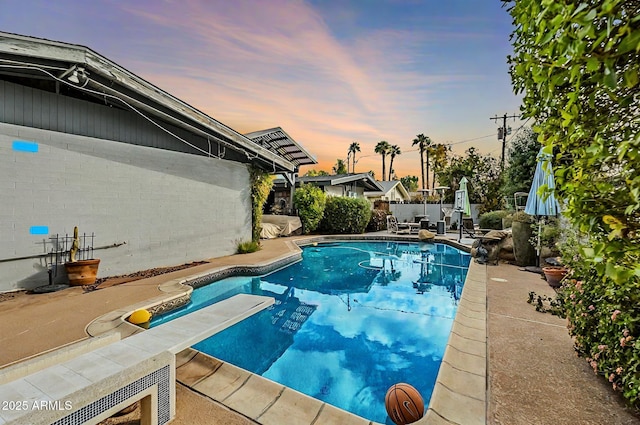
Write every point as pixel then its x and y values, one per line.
pixel 521 231
pixel 80 272
pixel 554 275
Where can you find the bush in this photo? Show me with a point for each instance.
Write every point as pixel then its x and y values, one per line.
pixel 522 217
pixel 310 202
pixel 247 247
pixel 378 221
pixel 492 220
pixel 346 215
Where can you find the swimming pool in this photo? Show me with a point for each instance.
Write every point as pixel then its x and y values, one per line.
pixel 350 320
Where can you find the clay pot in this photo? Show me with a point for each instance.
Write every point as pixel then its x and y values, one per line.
pixel 82 272
pixel 554 275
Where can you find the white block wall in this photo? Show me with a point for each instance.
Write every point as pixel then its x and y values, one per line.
pixel 167 207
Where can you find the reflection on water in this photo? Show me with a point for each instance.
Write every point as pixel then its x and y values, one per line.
pixel 350 320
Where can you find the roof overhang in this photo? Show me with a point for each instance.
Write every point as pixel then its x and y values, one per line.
pixel 48 59
pixel 277 140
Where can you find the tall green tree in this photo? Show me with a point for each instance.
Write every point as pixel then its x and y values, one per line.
pixel 353 148
pixel 382 148
pixel 424 143
pixel 393 152
pixel 314 173
pixel 340 167
pixel 483 173
pixel 521 162
pixel 577 65
pixel 410 183
pixel 439 155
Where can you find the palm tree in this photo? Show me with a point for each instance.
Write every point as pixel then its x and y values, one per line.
pixel 353 148
pixel 393 151
pixel 383 148
pixel 340 167
pixel 424 143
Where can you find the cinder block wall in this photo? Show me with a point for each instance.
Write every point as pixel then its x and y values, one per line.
pixel 166 208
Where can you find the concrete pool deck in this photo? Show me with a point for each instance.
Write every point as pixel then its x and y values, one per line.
pixel 532 375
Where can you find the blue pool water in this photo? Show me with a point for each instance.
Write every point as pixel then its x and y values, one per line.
pixel 350 320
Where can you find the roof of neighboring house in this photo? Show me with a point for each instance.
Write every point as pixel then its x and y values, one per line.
pixel 363 179
pixel 277 140
pixel 84 71
pixel 388 186
pixel 368 182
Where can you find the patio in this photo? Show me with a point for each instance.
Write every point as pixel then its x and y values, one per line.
pixel 533 375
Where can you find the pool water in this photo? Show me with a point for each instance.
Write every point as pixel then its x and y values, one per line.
pixel 350 320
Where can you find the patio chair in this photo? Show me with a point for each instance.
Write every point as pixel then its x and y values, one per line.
pixel 392 224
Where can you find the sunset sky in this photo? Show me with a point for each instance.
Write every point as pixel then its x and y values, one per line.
pixel 329 72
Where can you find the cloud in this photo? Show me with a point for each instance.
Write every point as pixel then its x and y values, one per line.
pixel 254 65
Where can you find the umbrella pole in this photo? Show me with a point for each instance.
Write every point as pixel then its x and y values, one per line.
pixel 539 248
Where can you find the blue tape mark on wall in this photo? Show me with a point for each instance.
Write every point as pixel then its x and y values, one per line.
pixel 24 146
pixel 39 230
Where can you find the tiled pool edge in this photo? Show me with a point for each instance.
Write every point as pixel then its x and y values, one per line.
pixel 460 394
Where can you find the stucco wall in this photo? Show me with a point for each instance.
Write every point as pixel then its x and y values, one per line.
pixel 166 207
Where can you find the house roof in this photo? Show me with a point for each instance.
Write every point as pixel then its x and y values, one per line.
pixel 387 186
pixel 365 179
pixel 278 141
pixel 83 70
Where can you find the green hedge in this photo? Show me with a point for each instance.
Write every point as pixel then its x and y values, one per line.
pixel 345 215
pixel 310 202
pixel 492 220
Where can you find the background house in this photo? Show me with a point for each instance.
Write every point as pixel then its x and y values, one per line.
pixel 84 142
pixel 391 191
pixel 351 185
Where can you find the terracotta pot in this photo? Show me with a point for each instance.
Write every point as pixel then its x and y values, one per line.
pixel 82 272
pixel 554 275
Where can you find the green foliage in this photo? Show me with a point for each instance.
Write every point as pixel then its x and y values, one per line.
pixel 346 215
pixel 424 145
pixel 247 247
pixel 522 217
pixel 340 167
pixel 410 183
pixel 314 173
pixel 521 163
pixel 492 220
pixel 310 202
pixel 483 173
pixel 378 221
pixel 383 148
pixel 261 183
pixel 577 64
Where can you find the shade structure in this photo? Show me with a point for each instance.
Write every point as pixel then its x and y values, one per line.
pixel 542 204
pixel 467 205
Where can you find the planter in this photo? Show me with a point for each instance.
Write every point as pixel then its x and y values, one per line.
pixel 554 275
pixel 524 252
pixel 82 272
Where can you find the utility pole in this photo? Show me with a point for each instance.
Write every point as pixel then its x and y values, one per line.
pixel 502 133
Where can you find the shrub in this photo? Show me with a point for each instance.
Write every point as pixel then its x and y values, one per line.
pixel 247 247
pixel 378 221
pixel 522 217
pixel 261 183
pixel 310 202
pixel 492 220
pixel 346 215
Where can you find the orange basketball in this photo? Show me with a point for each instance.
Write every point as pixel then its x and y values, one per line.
pixel 404 404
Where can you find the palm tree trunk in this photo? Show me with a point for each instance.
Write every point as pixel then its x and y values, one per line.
pixel 383 166
pixel 427 169
pixel 422 167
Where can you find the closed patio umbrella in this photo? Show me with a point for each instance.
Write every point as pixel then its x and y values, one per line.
pixel 541 201
pixel 467 205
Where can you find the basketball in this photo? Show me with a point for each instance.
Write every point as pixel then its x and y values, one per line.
pixel 404 404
